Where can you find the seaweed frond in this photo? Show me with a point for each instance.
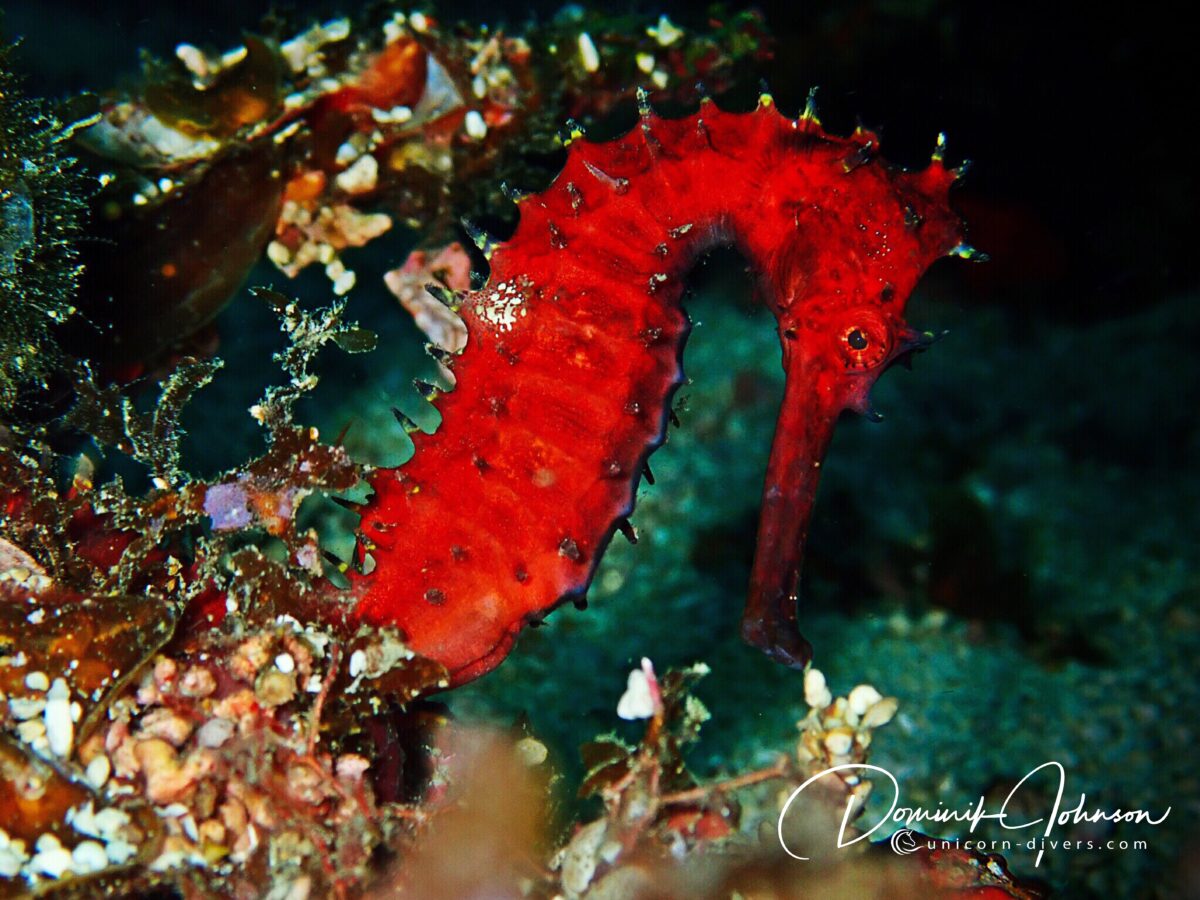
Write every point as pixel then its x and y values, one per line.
pixel 42 199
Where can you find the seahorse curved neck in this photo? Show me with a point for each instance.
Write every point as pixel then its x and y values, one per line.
pixel 574 352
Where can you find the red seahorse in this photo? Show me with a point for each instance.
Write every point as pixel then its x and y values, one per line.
pixel 574 352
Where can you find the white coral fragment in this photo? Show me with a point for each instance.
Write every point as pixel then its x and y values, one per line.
pixel 588 53
pixel 816 692
pixel 640 700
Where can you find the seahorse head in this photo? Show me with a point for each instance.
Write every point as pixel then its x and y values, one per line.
pixel 851 237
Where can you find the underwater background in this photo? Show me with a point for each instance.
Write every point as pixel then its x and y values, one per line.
pixel 1012 552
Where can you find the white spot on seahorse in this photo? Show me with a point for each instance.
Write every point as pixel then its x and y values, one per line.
pixel 502 306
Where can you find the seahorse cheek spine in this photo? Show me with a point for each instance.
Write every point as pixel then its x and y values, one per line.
pixel 575 351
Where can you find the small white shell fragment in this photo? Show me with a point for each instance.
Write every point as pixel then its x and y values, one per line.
pixel 12 856
pixel 47 841
pixel 361 177
pixel 816 692
pixel 234 56
pixel 475 126
pixel 33 733
pixel 189 828
pixel 839 742
pixel 419 22
pixel 51 858
pixel 60 728
pixel 397 115
pixel 303 49
pixel 279 253
pixel 588 52
pixel 862 698
pixel 358 663
pixel 637 702
pixel 880 714
pixel 343 279
pixel 110 822
pixel 53 862
pixel 193 59
pixel 665 32
pixel 394 27
pixel 344 283
pixel 645 62
pixel 97 771
pixel 89 857
pixel 346 154
pixel 83 819
pixel 26 707
pixel 531 751
pixel 37 681
pixel 120 852
pixel 285 663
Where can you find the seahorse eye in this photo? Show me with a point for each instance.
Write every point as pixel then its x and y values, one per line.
pixel 865 342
